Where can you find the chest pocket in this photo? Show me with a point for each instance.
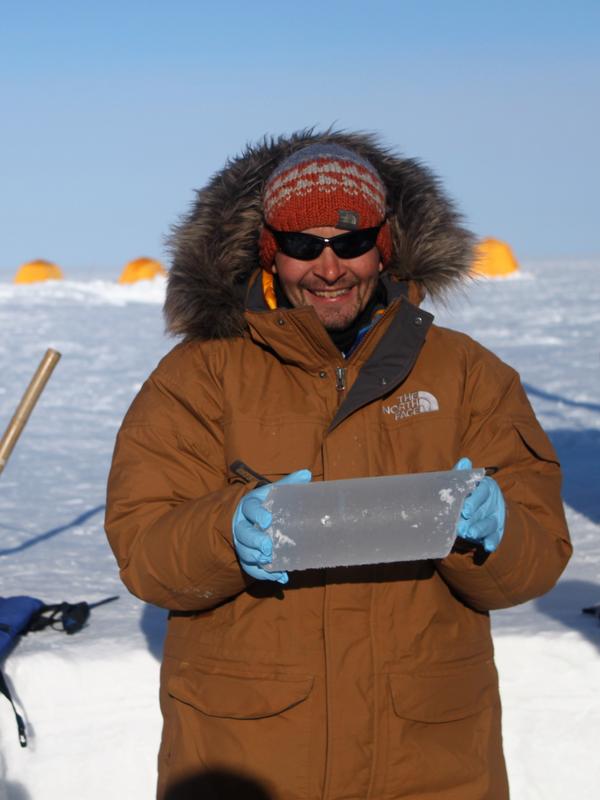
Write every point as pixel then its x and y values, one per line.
pixel 276 448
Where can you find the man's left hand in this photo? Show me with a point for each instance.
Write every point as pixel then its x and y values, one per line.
pixel 483 512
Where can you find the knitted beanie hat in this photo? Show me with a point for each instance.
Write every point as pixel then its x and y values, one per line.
pixel 324 185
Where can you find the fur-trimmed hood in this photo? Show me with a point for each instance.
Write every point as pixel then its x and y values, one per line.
pixel 215 248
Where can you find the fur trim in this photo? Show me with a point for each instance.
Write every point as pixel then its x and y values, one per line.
pixel 215 249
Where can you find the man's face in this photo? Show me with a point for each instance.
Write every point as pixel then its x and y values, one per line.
pixel 337 289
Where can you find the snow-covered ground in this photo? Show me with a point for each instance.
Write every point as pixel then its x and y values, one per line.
pixel 91 699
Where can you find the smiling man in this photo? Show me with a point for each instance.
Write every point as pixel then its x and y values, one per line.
pixel 337 283
pixel 325 235
pixel 296 283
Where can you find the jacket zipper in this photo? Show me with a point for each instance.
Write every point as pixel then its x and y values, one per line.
pixel 340 385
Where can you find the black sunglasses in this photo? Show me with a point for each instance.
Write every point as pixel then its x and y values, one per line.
pixel 306 246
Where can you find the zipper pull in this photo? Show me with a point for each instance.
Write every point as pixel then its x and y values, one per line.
pixel 247 474
pixel 340 378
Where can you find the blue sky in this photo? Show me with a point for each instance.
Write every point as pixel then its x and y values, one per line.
pixel 112 113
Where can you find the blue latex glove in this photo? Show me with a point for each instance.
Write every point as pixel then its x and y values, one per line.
pixel 483 512
pixel 253 547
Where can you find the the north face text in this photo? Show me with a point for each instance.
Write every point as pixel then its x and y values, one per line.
pixel 412 403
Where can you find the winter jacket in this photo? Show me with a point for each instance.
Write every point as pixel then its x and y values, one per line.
pixel 348 683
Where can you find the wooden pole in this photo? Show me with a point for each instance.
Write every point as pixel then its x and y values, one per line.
pixel 26 406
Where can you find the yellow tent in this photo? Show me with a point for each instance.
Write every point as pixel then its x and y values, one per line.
pixel 141 269
pixel 39 270
pixel 494 258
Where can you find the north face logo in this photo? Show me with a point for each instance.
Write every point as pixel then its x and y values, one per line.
pixel 412 403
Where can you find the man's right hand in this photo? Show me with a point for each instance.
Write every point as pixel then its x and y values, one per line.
pixel 251 518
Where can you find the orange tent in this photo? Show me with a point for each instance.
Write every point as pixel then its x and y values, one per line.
pixel 141 269
pixel 39 270
pixel 494 258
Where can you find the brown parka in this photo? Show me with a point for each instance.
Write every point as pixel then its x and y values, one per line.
pixel 350 683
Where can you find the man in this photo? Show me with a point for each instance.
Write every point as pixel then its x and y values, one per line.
pixel 295 282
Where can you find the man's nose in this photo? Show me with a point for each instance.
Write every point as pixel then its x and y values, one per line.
pixel 328 266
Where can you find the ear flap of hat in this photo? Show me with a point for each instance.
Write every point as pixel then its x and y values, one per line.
pixel 267 247
pixel 384 244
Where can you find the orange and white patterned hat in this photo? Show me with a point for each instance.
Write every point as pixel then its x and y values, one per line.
pixel 324 185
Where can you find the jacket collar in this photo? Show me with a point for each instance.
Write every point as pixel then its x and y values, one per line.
pixel 390 362
pixel 298 337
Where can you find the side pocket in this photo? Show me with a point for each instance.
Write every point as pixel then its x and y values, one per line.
pixel 237 697
pixel 444 698
pixel 252 725
pixel 444 731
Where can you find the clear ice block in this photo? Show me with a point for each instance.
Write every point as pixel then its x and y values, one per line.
pixel 366 520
